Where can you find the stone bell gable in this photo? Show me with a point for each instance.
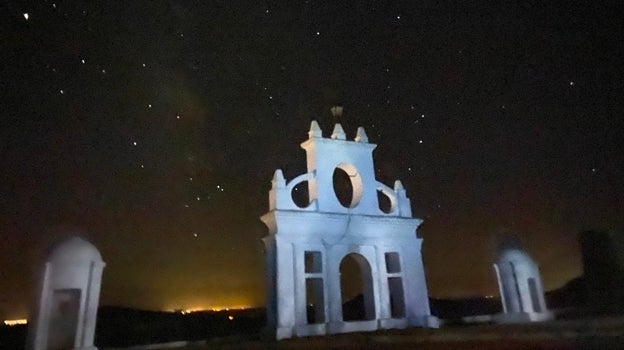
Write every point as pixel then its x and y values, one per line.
pixel 308 243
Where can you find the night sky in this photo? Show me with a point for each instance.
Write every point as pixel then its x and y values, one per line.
pixel 154 128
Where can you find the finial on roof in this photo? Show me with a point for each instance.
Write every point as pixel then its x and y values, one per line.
pixel 361 135
pixel 398 186
pixel 338 133
pixel 315 130
pixel 278 179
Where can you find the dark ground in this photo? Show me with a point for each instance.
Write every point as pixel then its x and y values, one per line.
pixel 123 327
pixel 597 333
pixel 604 333
pixel 591 333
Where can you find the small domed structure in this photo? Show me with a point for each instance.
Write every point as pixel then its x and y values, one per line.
pixel 520 286
pixel 65 312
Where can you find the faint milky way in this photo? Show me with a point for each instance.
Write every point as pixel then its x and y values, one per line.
pixel 155 127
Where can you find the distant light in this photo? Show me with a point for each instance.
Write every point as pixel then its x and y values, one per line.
pixel 61 91
pixel 26 18
pixel 419 141
pixel 18 321
pixel 134 143
pixel 143 65
pixel 318 33
pixel 83 61
pixel 230 317
pixel 571 83
pixel 149 105
pixel 177 117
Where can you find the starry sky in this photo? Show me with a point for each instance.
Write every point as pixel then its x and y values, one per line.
pixel 153 128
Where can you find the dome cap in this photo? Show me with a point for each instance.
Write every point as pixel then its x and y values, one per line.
pixel 74 249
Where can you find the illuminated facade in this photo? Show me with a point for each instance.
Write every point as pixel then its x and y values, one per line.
pixel 66 309
pixel 308 242
pixel 520 287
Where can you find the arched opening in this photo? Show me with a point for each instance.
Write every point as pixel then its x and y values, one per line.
pixel 356 286
pixel 300 194
pixel 347 185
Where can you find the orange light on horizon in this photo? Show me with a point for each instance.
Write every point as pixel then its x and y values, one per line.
pixel 212 308
pixel 15 322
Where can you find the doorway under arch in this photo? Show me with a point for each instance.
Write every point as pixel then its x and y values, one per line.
pixel 356 286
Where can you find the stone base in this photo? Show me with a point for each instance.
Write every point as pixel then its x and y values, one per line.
pixel 523 317
pixel 351 326
pixel 393 323
pixel 311 329
pixel 283 333
pixel 425 321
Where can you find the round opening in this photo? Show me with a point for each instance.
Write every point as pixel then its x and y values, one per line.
pixel 385 204
pixel 347 185
pixel 300 195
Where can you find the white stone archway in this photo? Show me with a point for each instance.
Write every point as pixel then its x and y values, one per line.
pixel 308 240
